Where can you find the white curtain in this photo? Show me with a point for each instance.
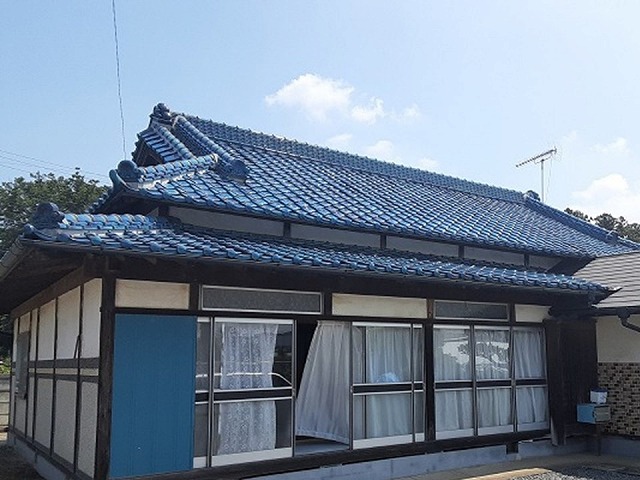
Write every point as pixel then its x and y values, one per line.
pixel 492 354
pixel 454 410
pixel 532 405
pixel 494 407
pixel 452 350
pixel 246 357
pixel 382 355
pixel 529 353
pixel 322 407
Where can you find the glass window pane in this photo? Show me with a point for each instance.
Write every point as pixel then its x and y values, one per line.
pixel 203 355
pixel 528 346
pixel 492 354
pixel 451 350
pixel 454 410
pixel 251 355
pixel 381 415
pixel 532 406
pixel 383 356
pixel 200 431
pixel 251 426
pixel 483 311
pixel 494 407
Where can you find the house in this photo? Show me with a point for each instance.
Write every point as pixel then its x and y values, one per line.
pixel 240 305
pixel 618 339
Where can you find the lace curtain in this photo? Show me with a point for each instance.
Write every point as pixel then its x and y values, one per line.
pixel 246 362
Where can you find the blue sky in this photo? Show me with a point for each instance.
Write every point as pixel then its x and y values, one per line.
pixel 463 88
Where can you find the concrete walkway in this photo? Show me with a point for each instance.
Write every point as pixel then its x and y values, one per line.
pixel 534 466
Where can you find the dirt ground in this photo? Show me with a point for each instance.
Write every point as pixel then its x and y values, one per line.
pixel 12 467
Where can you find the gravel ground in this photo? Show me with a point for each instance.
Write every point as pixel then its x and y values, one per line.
pixel 587 473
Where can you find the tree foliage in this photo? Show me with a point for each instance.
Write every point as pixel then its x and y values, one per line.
pixel 609 222
pixel 19 198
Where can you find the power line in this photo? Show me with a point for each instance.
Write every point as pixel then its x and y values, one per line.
pixel 41 164
pixel 115 36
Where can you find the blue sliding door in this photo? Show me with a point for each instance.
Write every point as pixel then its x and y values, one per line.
pixel 153 394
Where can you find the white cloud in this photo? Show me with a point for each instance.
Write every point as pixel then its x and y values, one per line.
pixel 382 150
pixel 425 163
pixel 409 114
pixel 619 146
pixel 369 114
pixel 610 194
pixel 314 95
pixel 341 141
pixel 319 98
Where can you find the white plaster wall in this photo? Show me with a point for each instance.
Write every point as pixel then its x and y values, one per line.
pixel 88 422
pixel 144 294
pixel 531 313
pixel 68 323
pixel 46 331
pixel 335 235
pixel 486 255
pixel 422 246
pixel 24 323
pixel 91 318
pixel 224 221
pixel 617 343
pixel 43 411
pixel 65 419
pixel 374 306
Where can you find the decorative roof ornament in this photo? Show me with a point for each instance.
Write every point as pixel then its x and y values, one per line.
pixel 232 169
pixel 612 237
pixel 161 113
pixel 46 216
pixel 531 195
pixel 129 171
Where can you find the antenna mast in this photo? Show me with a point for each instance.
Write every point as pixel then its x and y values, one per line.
pixel 540 159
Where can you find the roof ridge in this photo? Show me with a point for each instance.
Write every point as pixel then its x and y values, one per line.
pixel 609 236
pixel 270 142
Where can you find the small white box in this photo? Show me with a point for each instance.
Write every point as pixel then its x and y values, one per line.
pixel 598 395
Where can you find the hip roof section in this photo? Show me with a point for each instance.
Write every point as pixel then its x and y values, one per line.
pixel 185 160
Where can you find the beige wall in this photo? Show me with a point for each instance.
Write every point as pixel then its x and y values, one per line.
pixel 617 344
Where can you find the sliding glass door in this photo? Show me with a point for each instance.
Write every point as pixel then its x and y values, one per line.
pixel 387 389
pixel 244 393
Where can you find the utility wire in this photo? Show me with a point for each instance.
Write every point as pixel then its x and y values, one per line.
pixel 40 164
pixel 115 36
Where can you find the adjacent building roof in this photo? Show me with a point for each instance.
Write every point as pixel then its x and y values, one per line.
pixel 184 160
pixel 619 271
pixel 147 235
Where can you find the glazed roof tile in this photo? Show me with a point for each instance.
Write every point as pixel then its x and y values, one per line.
pixel 214 166
pixel 138 234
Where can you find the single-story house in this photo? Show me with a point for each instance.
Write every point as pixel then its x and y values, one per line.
pixel 241 305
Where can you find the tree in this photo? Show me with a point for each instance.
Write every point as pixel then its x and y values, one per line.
pixel 19 198
pixel 609 222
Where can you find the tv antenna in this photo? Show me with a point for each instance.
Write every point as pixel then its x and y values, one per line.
pixel 540 159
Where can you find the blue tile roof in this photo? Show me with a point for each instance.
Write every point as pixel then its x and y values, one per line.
pixel 138 234
pixel 214 166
